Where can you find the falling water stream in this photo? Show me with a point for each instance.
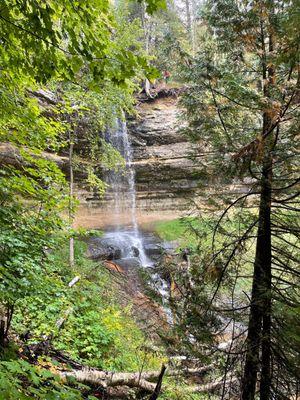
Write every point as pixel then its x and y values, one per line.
pixel 122 187
pixel 127 237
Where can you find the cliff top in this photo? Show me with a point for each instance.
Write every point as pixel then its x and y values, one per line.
pixel 160 90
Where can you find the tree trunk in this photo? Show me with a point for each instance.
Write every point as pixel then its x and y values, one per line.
pixel 212 386
pixel 262 267
pixel 157 389
pixel 259 329
pixel 146 27
pixel 193 34
pixel 71 193
pixel 265 381
pixel 106 379
pixel 189 22
pixel 141 380
pixel 2 335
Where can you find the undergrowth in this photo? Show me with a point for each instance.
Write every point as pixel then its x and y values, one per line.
pixel 96 332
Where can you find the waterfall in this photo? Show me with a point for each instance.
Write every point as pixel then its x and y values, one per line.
pixel 122 188
pixel 125 235
pixel 122 182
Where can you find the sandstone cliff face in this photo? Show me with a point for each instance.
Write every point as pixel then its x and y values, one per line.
pixel 165 176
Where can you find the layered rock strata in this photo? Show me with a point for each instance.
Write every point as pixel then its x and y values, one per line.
pixel 165 176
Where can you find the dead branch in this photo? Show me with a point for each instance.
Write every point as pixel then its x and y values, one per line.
pixel 209 387
pixel 157 389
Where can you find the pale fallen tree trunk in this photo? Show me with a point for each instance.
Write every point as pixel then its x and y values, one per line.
pixel 96 374
pixel 209 387
pixel 137 379
pixel 106 379
pixel 150 375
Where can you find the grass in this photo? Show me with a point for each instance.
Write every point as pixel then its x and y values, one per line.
pixel 197 234
pixel 170 230
pixel 188 232
pixel 179 230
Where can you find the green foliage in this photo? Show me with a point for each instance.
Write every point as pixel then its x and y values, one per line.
pixel 171 45
pixel 55 39
pixel 25 235
pixel 90 109
pixel 20 380
pixel 180 391
pixel 53 43
pixel 97 332
pixel 289 333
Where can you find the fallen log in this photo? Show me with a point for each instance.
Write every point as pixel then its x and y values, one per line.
pixel 209 387
pixel 106 379
pixel 147 375
pixel 150 375
pixel 136 379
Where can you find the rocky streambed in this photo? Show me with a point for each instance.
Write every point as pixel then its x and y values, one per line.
pixel 125 245
pixel 134 263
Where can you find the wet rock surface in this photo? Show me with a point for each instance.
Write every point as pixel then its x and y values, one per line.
pixel 124 247
pixel 118 254
pixel 128 263
pixel 102 249
pixel 153 246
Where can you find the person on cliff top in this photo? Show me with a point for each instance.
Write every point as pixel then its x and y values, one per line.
pixel 166 75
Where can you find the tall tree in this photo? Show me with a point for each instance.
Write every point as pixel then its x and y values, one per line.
pixel 243 104
pixel 189 19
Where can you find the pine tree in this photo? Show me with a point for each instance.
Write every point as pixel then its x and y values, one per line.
pixel 242 104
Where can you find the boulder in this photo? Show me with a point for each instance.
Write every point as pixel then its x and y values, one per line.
pixel 153 249
pixel 128 263
pixel 135 251
pixel 99 249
